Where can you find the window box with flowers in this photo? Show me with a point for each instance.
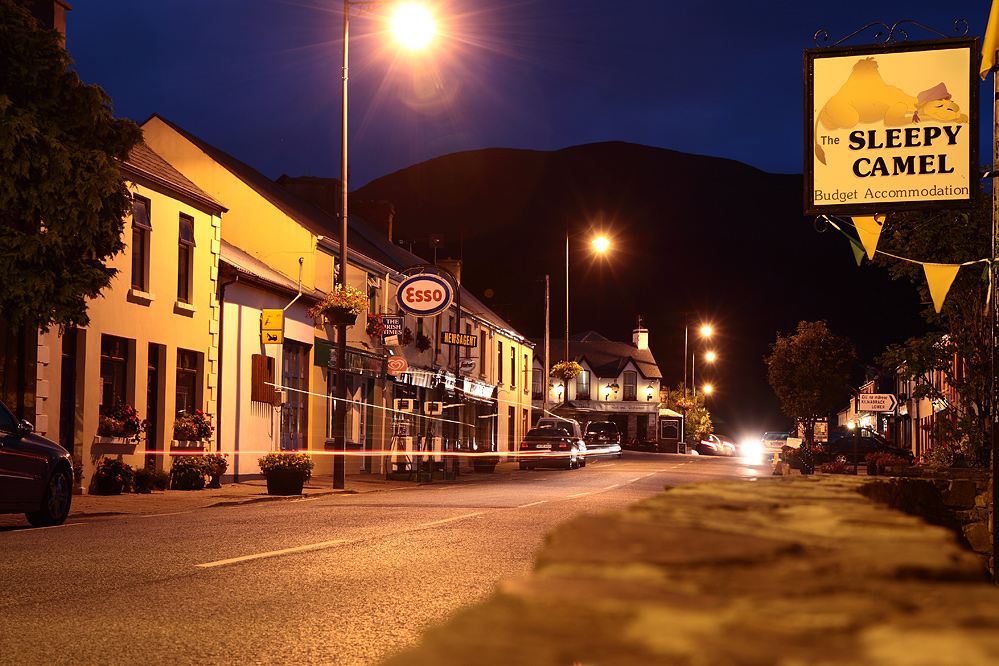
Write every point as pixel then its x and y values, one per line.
pixel 286 473
pixel 192 431
pixel 121 426
pixel 566 370
pixel 340 306
pixel 582 395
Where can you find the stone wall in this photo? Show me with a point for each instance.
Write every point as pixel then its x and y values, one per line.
pixel 958 499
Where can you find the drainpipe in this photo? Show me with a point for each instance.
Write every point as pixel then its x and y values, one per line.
pixel 301 260
pixel 218 393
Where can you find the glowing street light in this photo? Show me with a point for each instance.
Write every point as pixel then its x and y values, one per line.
pixel 413 26
pixel 710 357
pixel 600 244
pixel 705 332
pixel 708 388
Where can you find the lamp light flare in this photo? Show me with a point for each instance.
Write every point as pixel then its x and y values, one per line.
pixel 708 388
pixel 601 244
pixel 710 356
pixel 413 26
pixel 705 331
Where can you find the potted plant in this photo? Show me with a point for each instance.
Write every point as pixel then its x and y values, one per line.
pixel 873 461
pixel 187 473
pixel 340 306
pixel 196 427
pixel 216 465
pixel 142 480
pixel 286 473
pixel 566 370
pixel 112 476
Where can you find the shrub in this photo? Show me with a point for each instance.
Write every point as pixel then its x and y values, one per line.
pixel 188 472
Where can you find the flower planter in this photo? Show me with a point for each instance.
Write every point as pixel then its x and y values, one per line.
pixel 187 445
pixel 116 444
pixel 284 482
pixel 109 486
pixel 341 317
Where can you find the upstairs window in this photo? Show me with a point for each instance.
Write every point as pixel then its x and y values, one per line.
pixel 631 386
pixel 185 260
pixel 141 229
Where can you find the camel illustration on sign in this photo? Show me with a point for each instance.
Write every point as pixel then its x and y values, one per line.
pixel 866 98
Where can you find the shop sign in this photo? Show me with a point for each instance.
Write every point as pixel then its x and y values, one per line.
pixel 891 127
pixel 424 295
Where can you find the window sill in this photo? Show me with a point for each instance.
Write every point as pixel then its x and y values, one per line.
pixel 184 308
pixel 140 297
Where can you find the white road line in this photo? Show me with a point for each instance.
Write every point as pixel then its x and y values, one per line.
pixel 524 506
pixel 637 478
pixel 52 527
pixel 577 495
pixel 276 553
pixel 451 520
pixel 616 485
pixel 649 474
pixel 157 515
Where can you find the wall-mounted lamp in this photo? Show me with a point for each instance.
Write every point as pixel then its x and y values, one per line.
pixel 649 390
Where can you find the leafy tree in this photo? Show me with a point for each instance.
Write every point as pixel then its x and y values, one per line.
pixel 962 329
pixel 809 371
pixel 62 198
pixel 696 418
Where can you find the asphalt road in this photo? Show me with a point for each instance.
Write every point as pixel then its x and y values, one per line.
pixel 339 579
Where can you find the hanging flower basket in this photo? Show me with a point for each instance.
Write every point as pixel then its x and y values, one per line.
pixel 375 326
pixel 407 337
pixel 340 306
pixel 422 342
pixel 566 370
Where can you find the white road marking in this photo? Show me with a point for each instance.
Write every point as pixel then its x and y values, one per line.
pixel 577 495
pixel 616 485
pixel 524 506
pixel 451 520
pixel 157 515
pixel 276 553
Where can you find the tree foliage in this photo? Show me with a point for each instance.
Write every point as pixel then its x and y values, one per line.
pixel 809 372
pixel 696 417
pixel 962 329
pixel 62 198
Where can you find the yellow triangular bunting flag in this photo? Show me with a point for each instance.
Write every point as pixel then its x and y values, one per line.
pixel 991 42
pixel 940 277
pixel 869 231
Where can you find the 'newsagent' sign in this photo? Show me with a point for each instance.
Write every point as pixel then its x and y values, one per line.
pixel 891 127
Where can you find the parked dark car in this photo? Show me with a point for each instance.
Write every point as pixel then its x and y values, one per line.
pixel 841 447
pixel 36 475
pixel 551 447
pixel 602 439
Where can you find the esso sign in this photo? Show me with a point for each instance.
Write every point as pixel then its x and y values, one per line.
pixel 424 295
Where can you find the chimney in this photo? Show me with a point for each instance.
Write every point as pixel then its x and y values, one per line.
pixel 640 336
pixel 51 14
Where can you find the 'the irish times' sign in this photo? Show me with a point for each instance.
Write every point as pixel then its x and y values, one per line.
pixel 891 127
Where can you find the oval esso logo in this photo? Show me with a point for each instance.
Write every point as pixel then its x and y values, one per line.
pixel 424 295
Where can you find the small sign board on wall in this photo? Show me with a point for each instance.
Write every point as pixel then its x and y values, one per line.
pixel 891 127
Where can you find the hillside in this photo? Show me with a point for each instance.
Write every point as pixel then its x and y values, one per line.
pixel 691 234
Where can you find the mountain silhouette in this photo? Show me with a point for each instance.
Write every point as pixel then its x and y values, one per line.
pixel 693 238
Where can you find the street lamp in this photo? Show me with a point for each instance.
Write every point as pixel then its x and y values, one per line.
pixel 413 26
pixel 705 332
pixel 600 244
pixel 710 356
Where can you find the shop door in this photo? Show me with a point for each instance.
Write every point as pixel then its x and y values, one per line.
pixel 294 381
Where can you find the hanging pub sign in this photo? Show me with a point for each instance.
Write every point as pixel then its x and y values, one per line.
pixel 424 295
pixel 891 127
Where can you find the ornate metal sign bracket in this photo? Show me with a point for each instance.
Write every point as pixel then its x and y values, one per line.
pixel 893 34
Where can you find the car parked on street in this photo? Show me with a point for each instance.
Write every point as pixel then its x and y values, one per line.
pixel 36 475
pixel 602 439
pixel 841 448
pixel 572 425
pixel 551 447
pixel 771 445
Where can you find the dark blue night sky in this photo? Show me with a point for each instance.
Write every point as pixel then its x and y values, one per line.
pixel 260 79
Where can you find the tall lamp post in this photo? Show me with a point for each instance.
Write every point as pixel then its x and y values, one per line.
pixel 710 356
pixel 413 27
pixel 705 332
pixel 600 244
